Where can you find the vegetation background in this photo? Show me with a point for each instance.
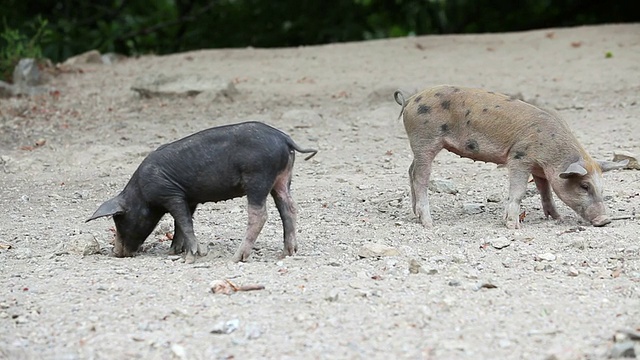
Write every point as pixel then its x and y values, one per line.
pixel 59 29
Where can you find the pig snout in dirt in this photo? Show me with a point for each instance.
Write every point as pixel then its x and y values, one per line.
pixel 491 127
pixel 216 164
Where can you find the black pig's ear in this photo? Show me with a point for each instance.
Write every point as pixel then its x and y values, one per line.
pixel 110 207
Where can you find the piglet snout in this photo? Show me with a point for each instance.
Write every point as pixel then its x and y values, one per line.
pixel 601 220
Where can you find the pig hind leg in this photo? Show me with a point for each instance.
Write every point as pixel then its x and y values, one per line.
pixel 548 206
pixel 281 194
pixel 257 199
pixel 518 179
pixel 177 244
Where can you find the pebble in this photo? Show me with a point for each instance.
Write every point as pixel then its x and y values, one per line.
pixel 443 186
pixel 227 327
pixel 546 257
pixel 500 242
pixel 179 351
pixel 573 271
pixel 494 198
pixel 414 266
pixel 473 208
pixel 252 331
pixel 332 295
pixel 624 349
pixel 372 250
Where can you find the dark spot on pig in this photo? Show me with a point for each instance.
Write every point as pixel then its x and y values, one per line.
pixel 485 110
pixel 444 128
pixel 519 155
pixel 438 94
pixel 417 99
pixel 424 109
pixel 446 104
pixel 472 146
pixel 467 113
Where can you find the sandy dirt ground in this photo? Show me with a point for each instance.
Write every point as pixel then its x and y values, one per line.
pixel 552 290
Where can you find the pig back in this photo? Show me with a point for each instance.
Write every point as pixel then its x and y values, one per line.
pixel 214 164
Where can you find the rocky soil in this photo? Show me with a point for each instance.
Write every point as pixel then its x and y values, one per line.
pixel 368 280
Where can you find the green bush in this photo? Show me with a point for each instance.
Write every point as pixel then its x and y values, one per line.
pixel 15 45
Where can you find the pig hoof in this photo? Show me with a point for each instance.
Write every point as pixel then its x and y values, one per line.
pixel 600 221
pixel 190 258
pixel 513 225
pixel 240 255
pixel 427 223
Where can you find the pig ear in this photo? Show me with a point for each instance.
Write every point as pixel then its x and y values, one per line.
pixel 110 207
pixel 612 165
pixel 574 169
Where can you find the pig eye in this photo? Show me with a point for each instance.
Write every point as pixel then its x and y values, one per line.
pixel 584 186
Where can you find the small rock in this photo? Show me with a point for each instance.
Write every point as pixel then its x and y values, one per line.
pixel 454 283
pixel 83 244
pixel 414 266
pixel 89 57
pixel 443 186
pixel 546 257
pixel 623 350
pixel 179 351
pixel 252 331
pixel 112 58
pixel 332 295
pixel 494 198
pixel 432 271
pixel 27 74
pixel 473 208
pixel 227 327
pixel 377 250
pixel 573 272
pixel 500 242
pixel 625 155
pixel 206 88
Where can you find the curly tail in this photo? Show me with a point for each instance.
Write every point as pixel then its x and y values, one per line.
pixel 399 98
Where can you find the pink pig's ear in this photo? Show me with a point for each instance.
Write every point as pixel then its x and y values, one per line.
pixel 574 169
pixel 612 165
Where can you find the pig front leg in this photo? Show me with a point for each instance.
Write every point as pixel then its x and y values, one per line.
pixel 182 216
pixel 548 206
pixel 257 218
pixel 177 244
pixel 286 207
pixel 517 187
pixel 419 174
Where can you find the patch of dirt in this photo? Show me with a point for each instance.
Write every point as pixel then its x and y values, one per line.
pixel 549 290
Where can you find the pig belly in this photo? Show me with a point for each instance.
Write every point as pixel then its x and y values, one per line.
pixel 477 152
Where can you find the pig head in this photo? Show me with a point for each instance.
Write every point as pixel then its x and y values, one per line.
pixel 580 186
